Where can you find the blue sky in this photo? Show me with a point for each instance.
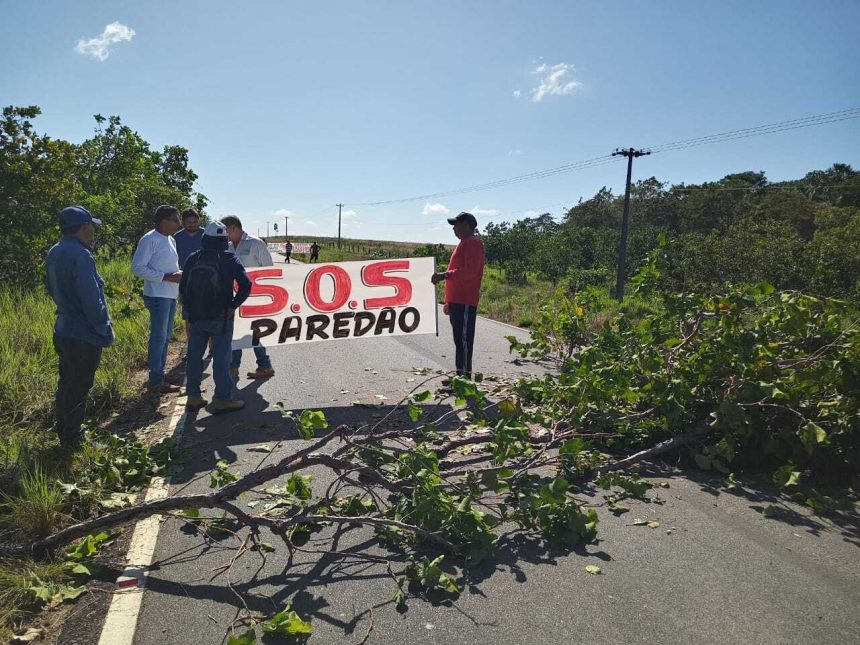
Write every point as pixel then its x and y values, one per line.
pixel 293 107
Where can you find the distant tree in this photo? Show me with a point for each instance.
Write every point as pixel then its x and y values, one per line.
pixel 115 174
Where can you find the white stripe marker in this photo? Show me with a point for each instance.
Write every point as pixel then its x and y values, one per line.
pixel 125 604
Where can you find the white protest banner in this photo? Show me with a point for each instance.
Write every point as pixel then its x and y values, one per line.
pixel 302 247
pixel 308 303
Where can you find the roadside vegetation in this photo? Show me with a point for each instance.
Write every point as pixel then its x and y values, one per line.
pixel 42 488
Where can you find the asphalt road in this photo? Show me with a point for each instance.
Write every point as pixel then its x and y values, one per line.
pixel 715 571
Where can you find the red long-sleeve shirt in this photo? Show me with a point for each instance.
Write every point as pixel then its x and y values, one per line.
pixel 465 271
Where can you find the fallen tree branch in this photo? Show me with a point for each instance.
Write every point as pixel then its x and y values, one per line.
pixel 695 434
pixel 310 456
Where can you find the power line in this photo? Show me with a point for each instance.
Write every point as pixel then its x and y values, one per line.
pixel 759 130
pixel 539 174
pixel 793 124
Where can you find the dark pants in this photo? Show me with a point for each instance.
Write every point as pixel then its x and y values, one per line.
pixel 463 319
pixel 78 363
pixel 288 257
pixel 220 334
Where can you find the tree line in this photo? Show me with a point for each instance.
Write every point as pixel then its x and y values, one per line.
pixel 115 173
pixel 802 234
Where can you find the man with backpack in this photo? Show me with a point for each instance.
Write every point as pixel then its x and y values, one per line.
pixel 207 294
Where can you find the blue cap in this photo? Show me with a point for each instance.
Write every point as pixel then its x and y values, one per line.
pixel 75 215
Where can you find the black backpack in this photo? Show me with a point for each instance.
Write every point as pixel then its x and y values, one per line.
pixel 204 297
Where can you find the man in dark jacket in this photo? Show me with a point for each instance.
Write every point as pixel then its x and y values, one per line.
pixel 83 326
pixel 207 294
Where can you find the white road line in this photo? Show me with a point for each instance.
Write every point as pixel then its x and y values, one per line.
pixel 121 620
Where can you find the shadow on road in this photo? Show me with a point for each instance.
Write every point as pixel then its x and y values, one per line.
pixel 765 498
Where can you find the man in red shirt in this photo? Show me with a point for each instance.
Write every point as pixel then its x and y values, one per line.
pixel 463 288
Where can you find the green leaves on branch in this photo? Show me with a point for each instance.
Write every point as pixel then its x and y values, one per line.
pixel 776 375
pixel 287 623
pixel 550 509
pixel 428 575
pixel 307 422
pixel 221 476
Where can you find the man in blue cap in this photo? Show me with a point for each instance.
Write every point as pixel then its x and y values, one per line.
pixel 83 328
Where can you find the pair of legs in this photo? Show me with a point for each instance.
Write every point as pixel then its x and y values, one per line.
pixel 263 360
pixel 220 333
pixel 463 319
pixel 288 257
pixel 78 363
pixel 162 312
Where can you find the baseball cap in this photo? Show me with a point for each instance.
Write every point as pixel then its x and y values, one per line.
pixel 215 229
pixel 76 215
pixel 464 217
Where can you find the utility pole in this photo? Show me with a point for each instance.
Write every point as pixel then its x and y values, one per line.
pixel 286 227
pixel 622 250
pixel 267 230
pixel 339 207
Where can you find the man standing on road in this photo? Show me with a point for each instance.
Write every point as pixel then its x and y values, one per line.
pixel 252 253
pixel 463 288
pixel 288 250
pixel 83 326
pixel 155 260
pixel 315 252
pixel 206 289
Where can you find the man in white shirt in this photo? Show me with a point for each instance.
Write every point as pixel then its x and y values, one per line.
pixel 252 253
pixel 156 261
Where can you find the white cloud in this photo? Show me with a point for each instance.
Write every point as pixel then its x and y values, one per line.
pixel 517 94
pixel 284 212
pixel 554 80
pixel 435 209
pixel 484 212
pixel 99 47
pixel 310 222
pixel 516 152
pixel 531 213
pixel 348 218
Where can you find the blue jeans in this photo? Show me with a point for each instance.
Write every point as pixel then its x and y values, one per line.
pixel 162 314
pixel 221 333
pixel 263 360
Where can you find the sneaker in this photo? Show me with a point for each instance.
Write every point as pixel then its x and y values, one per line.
pixel 196 402
pixel 234 373
pixel 262 372
pixel 220 406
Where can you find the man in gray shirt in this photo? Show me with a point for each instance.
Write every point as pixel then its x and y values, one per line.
pixel 252 253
